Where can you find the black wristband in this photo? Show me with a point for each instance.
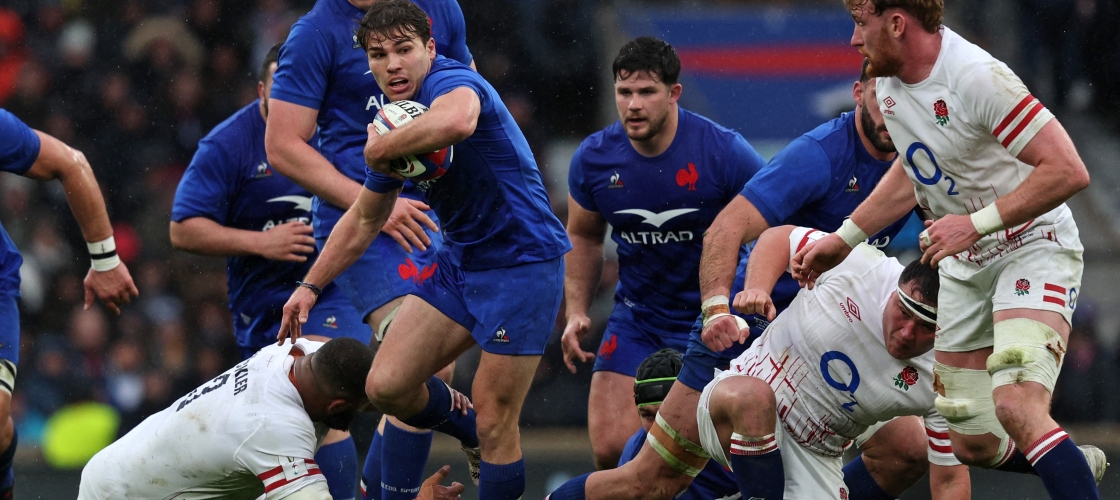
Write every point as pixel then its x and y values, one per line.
pixel 314 289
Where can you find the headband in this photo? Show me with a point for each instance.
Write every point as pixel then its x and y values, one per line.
pixel 927 313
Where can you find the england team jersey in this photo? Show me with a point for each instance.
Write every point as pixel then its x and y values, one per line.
pixel 18 152
pixel 826 359
pixel 959 132
pixel 659 208
pixel 323 67
pixel 231 182
pixel 243 434
pixel 492 203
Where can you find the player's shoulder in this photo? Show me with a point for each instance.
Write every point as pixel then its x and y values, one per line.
pixel 446 66
pixel 967 67
pixel 833 137
pixel 704 128
pixel 239 127
pixel 606 142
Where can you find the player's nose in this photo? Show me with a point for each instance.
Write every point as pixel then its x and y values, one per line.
pixel 857 37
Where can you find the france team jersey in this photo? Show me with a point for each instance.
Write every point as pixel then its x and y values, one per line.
pixel 323 67
pixel 230 182
pixel 834 174
pixel 492 203
pixel 18 152
pixel 816 181
pixel 659 208
pixel 714 482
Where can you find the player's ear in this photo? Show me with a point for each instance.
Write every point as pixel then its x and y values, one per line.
pixel 338 405
pixel 431 48
pixel 260 90
pixel 857 93
pixel 675 92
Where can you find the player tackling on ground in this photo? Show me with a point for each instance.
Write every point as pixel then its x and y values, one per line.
pixel 498 279
pixel 39 156
pixel 993 167
pixel 852 352
pixel 250 431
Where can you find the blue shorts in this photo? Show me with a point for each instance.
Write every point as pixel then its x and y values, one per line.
pixel 700 363
pixel 333 316
pixel 385 271
pixel 627 343
pixel 508 310
pixel 9 327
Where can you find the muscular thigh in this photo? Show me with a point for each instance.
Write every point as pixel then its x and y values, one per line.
pixel 384 272
pixel 420 341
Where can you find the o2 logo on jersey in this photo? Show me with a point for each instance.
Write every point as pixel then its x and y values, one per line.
pixel 837 358
pixel 937 173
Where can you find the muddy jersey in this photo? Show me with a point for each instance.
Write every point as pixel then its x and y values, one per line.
pixel 243 434
pixel 826 359
pixel 959 132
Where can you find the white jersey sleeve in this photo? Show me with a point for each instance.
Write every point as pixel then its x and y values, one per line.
pixel 940 450
pixel 281 459
pixel 1002 104
pixel 800 237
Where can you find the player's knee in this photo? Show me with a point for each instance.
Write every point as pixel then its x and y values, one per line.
pixel 978 451
pixel 746 402
pixel 607 452
pixel 382 395
pixel 447 373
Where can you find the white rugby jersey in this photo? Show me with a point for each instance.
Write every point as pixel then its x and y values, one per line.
pixel 826 359
pixel 243 434
pixel 958 133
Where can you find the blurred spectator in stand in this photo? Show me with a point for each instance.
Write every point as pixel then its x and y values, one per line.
pixel 75 79
pixel 29 102
pixel 159 48
pixel 89 336
pixel 1087 384
pixel 49 380
pixel 12 53
pixel 1050 32
pixel 124 379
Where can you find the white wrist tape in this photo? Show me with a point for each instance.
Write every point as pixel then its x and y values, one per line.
pixel 987 220
pixel 103 255
pixel 851 233
pixel 715 307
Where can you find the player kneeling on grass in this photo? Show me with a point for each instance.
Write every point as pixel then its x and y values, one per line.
pixel 852 352
pixel 250 431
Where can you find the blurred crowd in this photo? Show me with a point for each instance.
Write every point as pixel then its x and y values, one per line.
pixel 135 85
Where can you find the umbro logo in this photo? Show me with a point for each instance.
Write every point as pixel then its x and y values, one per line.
pixel 657 219
pixel 500 335
pixel 853 185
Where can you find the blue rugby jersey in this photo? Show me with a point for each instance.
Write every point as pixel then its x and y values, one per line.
pixel 323 67
pixel 659 208
pixel 816 181
pixel 230 181
pixel 713 483
pixel 492 203
pixel 18 151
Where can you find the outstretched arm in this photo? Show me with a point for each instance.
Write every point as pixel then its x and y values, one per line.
pixel 288 242
pixel 351 236
pixel 451 118
pixel 109 279
pixel 737 224
pixel 289 128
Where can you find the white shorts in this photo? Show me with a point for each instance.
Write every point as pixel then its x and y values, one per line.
pixel 1042 274
pixel 809 475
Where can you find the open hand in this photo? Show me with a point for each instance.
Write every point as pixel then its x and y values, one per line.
pixel 289 242
pixel 406 224
pixel 113 287
pixel 295 314
pixel 578 327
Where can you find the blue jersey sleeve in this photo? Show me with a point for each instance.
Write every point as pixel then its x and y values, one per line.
pixel 633 446
pixel 304 65
pixel 799 174
pixel 204 190
pixel 457 31
pixel 381 183
pixel 576 183
pixel 443 82
pixel 746 162
pixel 20 147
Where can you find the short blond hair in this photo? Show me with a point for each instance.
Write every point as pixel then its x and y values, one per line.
pixel 927 12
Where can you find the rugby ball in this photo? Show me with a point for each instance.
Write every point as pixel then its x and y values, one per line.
pixel 422 167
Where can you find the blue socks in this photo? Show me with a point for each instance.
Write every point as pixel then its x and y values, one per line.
pixel 339 464
pixel 756 463
pixel 371 471
pixel 1062 467
pixel 503 482
pixel 403 459
pixel 1017 463
pixel 861 486
pixel 7 474
pixel 438 415
pixel 571 490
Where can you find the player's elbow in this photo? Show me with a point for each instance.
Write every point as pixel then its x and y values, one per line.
pixel 180 240
pixel 1079 180
pixel 277 149
pixel 460 129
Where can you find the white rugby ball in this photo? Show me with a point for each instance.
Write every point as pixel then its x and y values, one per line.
pixel 420 167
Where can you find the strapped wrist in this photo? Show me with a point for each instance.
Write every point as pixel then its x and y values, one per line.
pixel 987 220
pixel 715 307
pixel 851 233
pixel 103 254
pixel 314 289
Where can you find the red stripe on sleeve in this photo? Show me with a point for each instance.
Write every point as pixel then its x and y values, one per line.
pixel 804 240
pixel 269 473
pixel 1053 300
pixel 1055 288
pixel 282 482
pixel 1011 116
pixel 935 434
pixel 940 449
pixel 1023 124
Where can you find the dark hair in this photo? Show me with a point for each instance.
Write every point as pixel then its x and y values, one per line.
pixel 863 78
pixel 272 56
pixel 341 367
pixel 925 278
pixel 394 20
pixel 927 12
pixel 650 55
